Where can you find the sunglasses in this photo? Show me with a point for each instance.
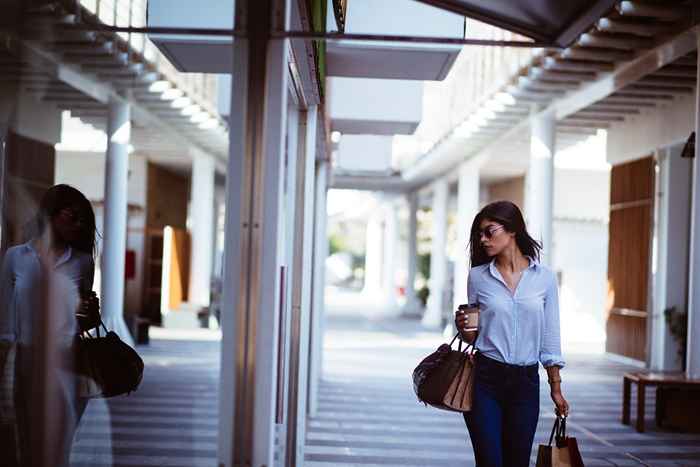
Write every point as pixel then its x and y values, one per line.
pixel 490 231
pixel 72 215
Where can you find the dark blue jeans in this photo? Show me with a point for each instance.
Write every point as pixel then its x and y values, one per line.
pixel 505 410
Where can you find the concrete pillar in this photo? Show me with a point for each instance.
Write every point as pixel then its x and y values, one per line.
pixel 319 285
pixel 693 350
pixel 438 256
pixel 467 209
pixel 380 257
pixel 672 230
pixel 115 205
pixel 374 256
pixel 539 182
pixel 391 238
pixel 202 228
pixel 412 305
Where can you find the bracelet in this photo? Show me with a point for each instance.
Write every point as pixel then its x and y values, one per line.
pixel 552 381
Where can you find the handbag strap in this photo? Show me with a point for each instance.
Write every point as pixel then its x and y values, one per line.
pixel 558 430
pixel 468 347
pixel 554 430
pixel 86 333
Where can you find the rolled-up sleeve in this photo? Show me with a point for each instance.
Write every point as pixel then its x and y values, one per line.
pixel 550 347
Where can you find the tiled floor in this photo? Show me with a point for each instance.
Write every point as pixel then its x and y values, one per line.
pixel 171 420
pixel 369 416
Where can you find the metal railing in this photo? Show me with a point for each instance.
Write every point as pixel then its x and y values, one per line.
pixel 478 72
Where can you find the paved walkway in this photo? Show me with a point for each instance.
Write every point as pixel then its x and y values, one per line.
pixel 369 416
pixel 171 420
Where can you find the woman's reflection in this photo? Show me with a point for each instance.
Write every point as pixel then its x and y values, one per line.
pixel 46 298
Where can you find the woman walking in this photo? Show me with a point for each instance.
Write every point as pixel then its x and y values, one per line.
pixel 518 327
pixel 45 297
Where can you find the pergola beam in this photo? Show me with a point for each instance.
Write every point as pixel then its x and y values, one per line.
pixel 615 41
pixel 646 10
pixel 626 74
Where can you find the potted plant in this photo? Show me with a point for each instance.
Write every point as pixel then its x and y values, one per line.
pixel 677 321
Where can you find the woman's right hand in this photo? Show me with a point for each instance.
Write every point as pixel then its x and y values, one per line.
pixel 461 324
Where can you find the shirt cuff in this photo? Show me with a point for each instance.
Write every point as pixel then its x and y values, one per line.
pixel 549 359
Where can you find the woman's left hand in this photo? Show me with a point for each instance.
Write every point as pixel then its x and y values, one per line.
pixel 562 407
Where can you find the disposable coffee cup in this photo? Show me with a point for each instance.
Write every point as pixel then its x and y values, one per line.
pixel 471 311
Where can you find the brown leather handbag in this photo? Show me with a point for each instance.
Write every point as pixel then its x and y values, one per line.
pixel 444 379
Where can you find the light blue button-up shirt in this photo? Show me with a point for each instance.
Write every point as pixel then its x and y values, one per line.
pixel 519 328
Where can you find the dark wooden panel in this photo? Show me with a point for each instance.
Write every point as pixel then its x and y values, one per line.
pixel 628 257
pixel 629 250
pixel 627 335
pixel 632 181
pixel 167 195
pixel 29 172
pixel 30 160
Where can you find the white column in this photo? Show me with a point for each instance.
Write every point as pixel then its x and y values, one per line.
pixel 693 351
pixel 390 241
pixel 115 204
pixel 202 228
pixel 412 305
pixel 438 257
pixel 374 246
pixel 539 182
pixel 319 285
pixel 467 209
pixel 672 234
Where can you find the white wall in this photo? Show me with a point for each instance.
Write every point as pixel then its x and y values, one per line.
pixel 581 194
pixel 580 253
pixel 364 152
pixel 374 106
pixel 85 171
pixel 656 128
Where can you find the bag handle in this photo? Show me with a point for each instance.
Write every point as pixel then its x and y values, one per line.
pixel 459 346
pixel 558 431
pixel 86 333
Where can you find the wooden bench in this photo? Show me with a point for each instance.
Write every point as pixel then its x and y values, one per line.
pixel 644 380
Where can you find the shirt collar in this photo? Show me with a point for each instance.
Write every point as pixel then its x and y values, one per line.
pixel 64 258
pixel 534 264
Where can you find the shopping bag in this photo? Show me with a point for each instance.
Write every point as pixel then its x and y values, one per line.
pixel 564 452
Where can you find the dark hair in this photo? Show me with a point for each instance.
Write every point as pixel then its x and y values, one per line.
pixel 509 216
pixel 60 197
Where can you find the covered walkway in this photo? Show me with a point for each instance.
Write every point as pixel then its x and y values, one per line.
pixel 368 414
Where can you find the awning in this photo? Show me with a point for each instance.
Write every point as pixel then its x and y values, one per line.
pixel 555 22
